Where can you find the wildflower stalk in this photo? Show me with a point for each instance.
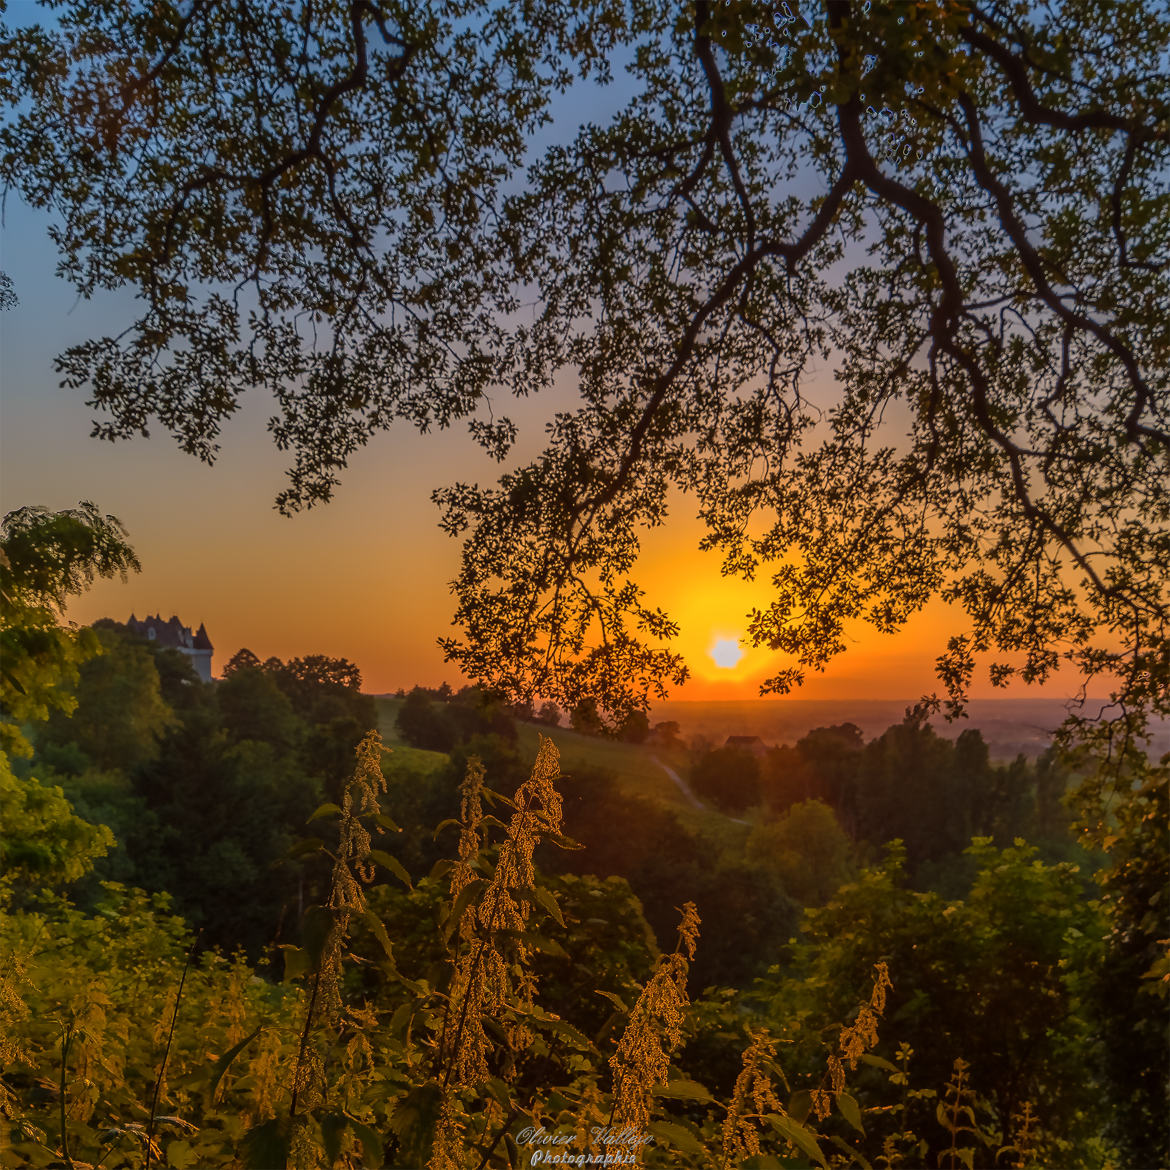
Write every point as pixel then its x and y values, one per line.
pixel 854 1040
pixel 740 1139
pixel 641 1059
pixel 482 982
pixel 1024 1139
pixel 956 1107
pixel 352 867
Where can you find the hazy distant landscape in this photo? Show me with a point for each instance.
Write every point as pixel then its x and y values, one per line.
pixel 1010 726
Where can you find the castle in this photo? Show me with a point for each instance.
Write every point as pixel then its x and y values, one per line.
pixel 177 636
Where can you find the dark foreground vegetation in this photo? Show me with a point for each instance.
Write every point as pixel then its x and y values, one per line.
pixel 237 931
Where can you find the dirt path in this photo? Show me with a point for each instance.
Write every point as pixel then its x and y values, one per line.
pixel 683 786
pixel 691 798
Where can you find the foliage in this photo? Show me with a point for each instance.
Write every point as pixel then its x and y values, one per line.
pixel 44 843
pixel 668 863
pixel 427 720
pixel 807 849
pixel 1128 986
pixel 549 714
pixel 86 1019
pixel 438 1017
pixel 46 558
pixel 1008 952
pixel 120 717
pixel 206 785
pixel 932 793
pixel 428 1022
pixel 729 777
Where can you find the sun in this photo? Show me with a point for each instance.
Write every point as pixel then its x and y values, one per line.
pixel 726 653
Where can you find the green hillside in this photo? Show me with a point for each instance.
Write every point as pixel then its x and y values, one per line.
pixel 634 765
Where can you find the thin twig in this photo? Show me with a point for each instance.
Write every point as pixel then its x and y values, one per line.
pixel 512 1114
pixel 162 1068
pixel 292 1109
pixel 66 1040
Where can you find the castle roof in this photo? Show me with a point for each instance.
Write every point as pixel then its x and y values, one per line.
pixel 170 633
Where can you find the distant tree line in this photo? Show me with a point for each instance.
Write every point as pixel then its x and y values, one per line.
pixel 909 783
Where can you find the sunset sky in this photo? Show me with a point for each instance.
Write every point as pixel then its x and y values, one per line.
pixel 365 577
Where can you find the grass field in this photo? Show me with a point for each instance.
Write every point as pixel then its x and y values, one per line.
pixel 635 767
pixel 402 754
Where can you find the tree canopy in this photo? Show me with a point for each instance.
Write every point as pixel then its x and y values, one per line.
pixel 879 289
pixel 46 558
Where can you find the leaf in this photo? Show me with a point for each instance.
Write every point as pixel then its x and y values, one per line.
pixel 676 1137
pixel 498 1090
pixel 266 1146
pixel 180 1155
pixel 548 946
pixel 800 1105
pixel 392 864
pixel 471 892
pixel 371 1142
pixel 878 1062
pixel 943 1111
pixel 546 899
pixel 386 823
pixel 561 841
pixel 798 1136
pixel 324 810
pixel 222 1064
pixel 683 1090
pixel 564 1028
pixel 850 1111
pixel 379 930
pixel 400 1021
pixel 494 797
pixel 296 962
pixel 616 1000
pixel 332 1127
pixel 315 930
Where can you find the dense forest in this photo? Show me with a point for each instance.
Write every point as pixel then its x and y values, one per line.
pixel 238 930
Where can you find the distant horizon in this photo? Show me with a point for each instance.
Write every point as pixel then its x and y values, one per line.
pixel 1009 725
pixel 788 699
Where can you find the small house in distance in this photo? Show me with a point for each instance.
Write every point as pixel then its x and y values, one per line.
pixel 752 744
pixel 197 646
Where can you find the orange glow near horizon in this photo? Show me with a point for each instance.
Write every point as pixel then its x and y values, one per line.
pixel 378 595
